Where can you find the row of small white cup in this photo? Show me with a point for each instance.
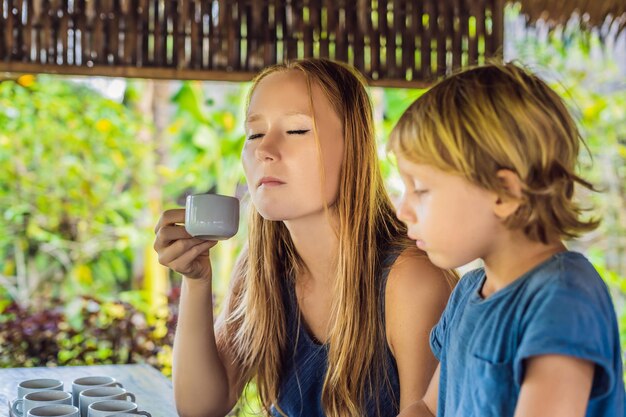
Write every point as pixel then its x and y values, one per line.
pixel 42 392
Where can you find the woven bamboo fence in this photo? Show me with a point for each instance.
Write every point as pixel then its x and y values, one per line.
pixel 392 42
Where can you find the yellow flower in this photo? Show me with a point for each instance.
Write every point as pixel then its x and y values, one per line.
pixel 116 311
pixel 26 80
pixel 103 125
pixel 229 121
pixel 82 274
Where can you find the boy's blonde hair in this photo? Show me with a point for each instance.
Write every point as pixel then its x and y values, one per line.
pixel 500 116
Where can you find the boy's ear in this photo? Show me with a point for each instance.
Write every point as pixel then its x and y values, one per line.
pixel 509 201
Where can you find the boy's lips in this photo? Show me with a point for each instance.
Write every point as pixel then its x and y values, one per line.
pixel 420 243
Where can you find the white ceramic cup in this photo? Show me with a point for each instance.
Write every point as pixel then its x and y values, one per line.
pixel 56 410
pixel 81 384
pixel 122 415
pixel 108 407
pixel 211 216
pixel 39 398
pixel 39 384
pixel 92 395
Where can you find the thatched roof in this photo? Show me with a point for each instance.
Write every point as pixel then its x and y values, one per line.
pixel 393 42
pixel 591 13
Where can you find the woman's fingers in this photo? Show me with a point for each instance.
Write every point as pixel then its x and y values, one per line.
pixel 189 263
pixel 170 217
pixel 177 249
pixel 168 254
pixel 167 234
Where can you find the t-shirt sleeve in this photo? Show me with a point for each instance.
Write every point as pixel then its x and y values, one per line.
pixel 456 302
pixel 572 323
pixel 437 335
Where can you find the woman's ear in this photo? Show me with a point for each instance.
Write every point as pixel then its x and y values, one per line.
pixel 511 198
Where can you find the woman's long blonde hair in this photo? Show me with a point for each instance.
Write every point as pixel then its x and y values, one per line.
pixel 256 326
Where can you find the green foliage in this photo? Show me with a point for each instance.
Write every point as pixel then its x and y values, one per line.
pixel 70 187
pixel 206 136
pixel 87 331
pixel 394 102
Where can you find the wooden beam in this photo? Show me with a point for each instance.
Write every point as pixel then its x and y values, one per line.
pixel 14 69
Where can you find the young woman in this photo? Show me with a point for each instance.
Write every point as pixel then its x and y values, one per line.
pixel 331 304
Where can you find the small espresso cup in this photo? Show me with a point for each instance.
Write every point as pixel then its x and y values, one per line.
pixel 39 384
pixel 108 407
pixel 55 410
pixel 92 395
pixel 123 415
pixel 40 398
pixel 81 384
pixel 211 216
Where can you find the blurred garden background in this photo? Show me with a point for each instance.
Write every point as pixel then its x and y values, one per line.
pixel 88 164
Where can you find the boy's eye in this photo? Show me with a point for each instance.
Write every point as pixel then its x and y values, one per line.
pixel 255 136
pixel 298 132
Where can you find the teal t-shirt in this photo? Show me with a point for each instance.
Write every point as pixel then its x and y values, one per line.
pixel 561 307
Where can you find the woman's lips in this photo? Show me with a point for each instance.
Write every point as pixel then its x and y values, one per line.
pixel 270 182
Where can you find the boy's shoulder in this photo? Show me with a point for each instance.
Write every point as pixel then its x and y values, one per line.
pixel 469 283
pixel 471 280
pixel 567 272
pixel 565 288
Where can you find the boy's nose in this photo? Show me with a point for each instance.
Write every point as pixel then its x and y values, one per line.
pixel 405 213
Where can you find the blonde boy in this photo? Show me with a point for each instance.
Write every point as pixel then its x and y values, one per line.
pixel 488 159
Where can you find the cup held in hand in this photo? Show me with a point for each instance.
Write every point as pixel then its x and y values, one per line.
pixel 211 216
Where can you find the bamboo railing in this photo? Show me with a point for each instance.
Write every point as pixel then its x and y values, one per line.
pixel 393 42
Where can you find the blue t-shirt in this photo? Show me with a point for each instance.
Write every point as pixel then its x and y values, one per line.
pixel 561 306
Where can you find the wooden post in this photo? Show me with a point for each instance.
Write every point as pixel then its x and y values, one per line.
pixel 457 40
pixel 442 28
pixel 8 30
pixel 497 14
pixel 426 39
pixel 481 35
pixel 63 34
pixel 3 25
pixel 382 31
pixel 27 37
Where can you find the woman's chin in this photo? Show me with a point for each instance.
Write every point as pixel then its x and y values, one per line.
pixel 271 215
pixel 272 218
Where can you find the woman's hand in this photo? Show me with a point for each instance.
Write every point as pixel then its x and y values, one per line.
pixel 180 251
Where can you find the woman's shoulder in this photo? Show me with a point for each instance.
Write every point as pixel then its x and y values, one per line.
pixel 416 295
pixel 411 270
pixel 414 281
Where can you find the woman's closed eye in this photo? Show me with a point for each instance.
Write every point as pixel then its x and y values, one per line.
pixel 298 131
pixel 289 132
pixel 255 136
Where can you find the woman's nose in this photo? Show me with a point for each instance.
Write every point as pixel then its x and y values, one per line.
pixel 268 148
